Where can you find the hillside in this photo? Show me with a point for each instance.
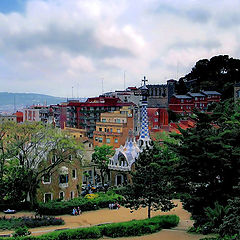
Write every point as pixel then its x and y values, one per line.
pixel 7 98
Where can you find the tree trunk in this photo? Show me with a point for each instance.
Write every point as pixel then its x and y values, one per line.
pixel 149 208
pixel 102 178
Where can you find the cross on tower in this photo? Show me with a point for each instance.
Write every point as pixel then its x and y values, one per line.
pixel 144 80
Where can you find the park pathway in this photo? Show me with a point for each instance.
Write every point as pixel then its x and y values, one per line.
pixel 123 214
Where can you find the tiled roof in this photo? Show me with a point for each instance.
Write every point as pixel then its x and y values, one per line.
pixel 210 92
pixel 182 96
pixel 196 94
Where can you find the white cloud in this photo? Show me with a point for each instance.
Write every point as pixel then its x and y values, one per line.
pixel 56 44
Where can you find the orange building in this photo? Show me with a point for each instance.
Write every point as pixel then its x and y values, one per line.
pixel 113 127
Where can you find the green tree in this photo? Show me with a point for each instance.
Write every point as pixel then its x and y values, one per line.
pixel 220 73
pixel 151 181
pixel 32 144
pixel 101 158
pixel 209 159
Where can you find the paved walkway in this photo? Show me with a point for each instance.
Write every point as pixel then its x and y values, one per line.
pixel 123 214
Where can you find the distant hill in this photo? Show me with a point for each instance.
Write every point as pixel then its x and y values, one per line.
pixel 25 99
pixel 22 100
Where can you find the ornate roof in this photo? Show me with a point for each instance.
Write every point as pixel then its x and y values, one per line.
pixel 125 156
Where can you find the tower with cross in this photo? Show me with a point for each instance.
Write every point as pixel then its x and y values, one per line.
pixel 144 138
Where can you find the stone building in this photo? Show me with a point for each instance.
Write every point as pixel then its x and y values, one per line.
pixel 63 183
pixel 160 94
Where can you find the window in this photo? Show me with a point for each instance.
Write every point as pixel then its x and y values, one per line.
pixel 46 179
pixel 104 120
pixel 61 195
pixel 107 140
pixel 100 129
pixel 72 194
pixel 63 178
pixel 118 130
pixel 96 139
pixel 100 139
pixel 156 113
pixel 54 159
pixel 116 140
pixel 181 107
pixel 105 130
pixel 47 197
pixel 118 120
pixel 182 101
pixel 74 173
pixel 80 135
pixel 155 120
pixel 196 98
pixel 110 129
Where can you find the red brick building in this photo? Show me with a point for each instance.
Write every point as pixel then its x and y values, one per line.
pixel 157 117
pixel 85 114
pixel 184 104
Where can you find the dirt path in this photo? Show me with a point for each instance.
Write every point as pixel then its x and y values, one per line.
pixel 121 215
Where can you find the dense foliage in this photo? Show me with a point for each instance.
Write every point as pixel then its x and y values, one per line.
pixel 132 228
pixel 30 222
pixel 86 204
pixel 208 168
pixel 151 181
pixel 220 73
pixel 101 158
pixel 25 151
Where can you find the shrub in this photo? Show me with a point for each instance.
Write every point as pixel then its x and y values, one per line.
pixel 125 229
pixel 139 227
pixel 231 222
pixel 21 231
pixel 96 201
pixel 30 222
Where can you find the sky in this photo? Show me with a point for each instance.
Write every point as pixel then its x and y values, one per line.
pixel 82 48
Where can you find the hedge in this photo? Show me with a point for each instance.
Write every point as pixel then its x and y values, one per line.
pixel 85 204
pixel 235 237
pixel 30 222
pixel 124 229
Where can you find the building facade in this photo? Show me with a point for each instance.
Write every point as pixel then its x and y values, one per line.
pixel 85 115
pixel 8 118
pixel 113 127
pixel 64 183
pixel 184 104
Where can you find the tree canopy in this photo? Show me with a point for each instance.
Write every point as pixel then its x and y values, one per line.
pixel 220 73
pixel 151 181
pixel 209 160
pixel 24 157
pixel 101 158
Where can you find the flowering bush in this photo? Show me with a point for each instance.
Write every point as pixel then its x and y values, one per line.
pixel 91 196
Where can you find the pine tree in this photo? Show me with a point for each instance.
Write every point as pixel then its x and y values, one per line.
pixel 151 182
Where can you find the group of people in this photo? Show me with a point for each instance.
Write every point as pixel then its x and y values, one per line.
pixel 113 206
pixel 76 211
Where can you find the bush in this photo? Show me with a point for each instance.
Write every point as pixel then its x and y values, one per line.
pixel 30 222
pixel 231 222
pixel 132 228
pixel 139 227
pixel 21 231
pixel 86 204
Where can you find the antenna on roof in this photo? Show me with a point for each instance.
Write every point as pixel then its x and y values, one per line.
pixel 124 79
pixel 102 84
pixel 14 102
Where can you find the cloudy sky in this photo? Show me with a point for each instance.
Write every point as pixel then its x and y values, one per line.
pixel 56 46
